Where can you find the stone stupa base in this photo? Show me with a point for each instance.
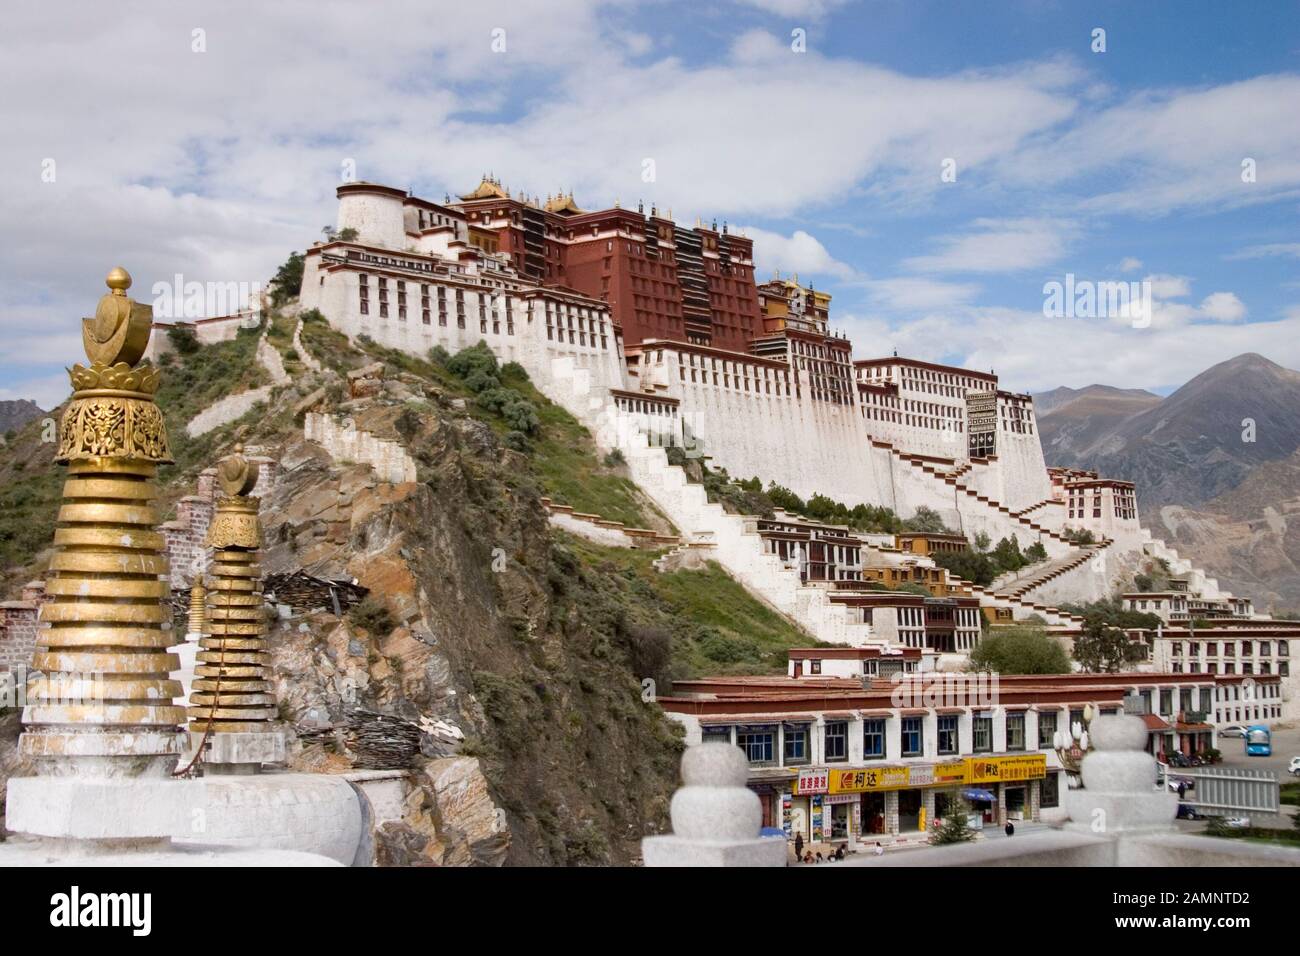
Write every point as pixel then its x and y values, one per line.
pixel 315 814
pixel 678 851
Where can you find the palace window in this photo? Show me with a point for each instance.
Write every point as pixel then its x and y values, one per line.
pixel 1046 730
pixel 796 744
pixel 758 744
pixel 948 734
pixel 716 734
pixel 873 739
pixel 983 734
pixel 1015 731
pixel 837 741
pixel 913 736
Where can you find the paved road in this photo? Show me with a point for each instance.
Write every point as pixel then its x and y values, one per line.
pixel 1286 744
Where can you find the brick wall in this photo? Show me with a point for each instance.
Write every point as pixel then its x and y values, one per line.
pixel 18 623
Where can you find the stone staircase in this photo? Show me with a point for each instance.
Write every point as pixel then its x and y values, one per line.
pixel 1053 541
pixel 735 542
pixel 1020 583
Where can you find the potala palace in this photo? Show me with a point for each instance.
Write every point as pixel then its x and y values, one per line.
pixel 659 336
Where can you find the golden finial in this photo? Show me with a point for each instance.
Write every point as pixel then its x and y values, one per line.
pixel 119 332
pixel 118 279
pixel 237 474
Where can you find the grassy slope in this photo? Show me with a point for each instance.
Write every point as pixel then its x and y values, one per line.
pixel 712 624
pixel 564 454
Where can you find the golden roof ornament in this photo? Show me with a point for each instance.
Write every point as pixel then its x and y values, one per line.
pixel 103 705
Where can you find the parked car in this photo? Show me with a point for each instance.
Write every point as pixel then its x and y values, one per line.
pixel 1232 730
pixel 1187 783
pixel 1188 812
pixel 1294 769
pixel 1237 823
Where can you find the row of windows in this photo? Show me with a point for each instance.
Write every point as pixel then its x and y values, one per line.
pixel 793 740
pixel 1230 648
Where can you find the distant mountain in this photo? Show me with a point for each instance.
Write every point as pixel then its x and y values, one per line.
pixel 1074 421
pixel 1217 465
pixel 16 414
pixel 1189 448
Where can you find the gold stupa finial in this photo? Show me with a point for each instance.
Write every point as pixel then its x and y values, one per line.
pixel 237 475
pixel 118 279
pixel 119 332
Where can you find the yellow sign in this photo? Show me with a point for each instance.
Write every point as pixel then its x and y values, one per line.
pixel 1005 769
pixel 872 778
pixel 952 772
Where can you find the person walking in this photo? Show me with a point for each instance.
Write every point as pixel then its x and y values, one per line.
pixel 1010 828
pixel 798 846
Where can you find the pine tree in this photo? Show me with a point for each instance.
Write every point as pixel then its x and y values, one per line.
pixel 956 824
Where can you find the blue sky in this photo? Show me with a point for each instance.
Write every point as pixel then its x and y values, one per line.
pixel 214 153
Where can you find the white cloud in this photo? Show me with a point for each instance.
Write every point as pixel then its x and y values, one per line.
pixel 1030 352
pixel 1169 287
pixel 1156 152
pixel 1223 307
pixel 1130 264
pixel 998 245
pixel 911 294
pixel 798 252
pixel 813 9
pixel 1285 249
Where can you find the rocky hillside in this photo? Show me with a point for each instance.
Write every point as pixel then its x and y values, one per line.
pixel 14 414
pixel 508 665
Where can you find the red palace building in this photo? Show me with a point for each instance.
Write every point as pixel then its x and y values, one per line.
pixel 662 280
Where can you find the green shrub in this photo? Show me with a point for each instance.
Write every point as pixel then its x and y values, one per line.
pixel 372 616
pixel 521 416
pixel 183 339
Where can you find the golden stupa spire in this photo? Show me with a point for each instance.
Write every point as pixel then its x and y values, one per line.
pixel 104 703
pixel 232 687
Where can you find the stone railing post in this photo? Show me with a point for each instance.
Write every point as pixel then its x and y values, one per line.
pixel 716 818
pixel 1119 795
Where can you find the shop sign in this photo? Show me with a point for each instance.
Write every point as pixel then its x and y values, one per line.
pixel 786 807
pixel 816 810
pixel 1005 769
pixel 954 771
pixel 812 780
pixel 873 778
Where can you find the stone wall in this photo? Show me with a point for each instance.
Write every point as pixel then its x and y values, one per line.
pixel 345 442
pixel 226 410
pixel 18 625
pixel 270 358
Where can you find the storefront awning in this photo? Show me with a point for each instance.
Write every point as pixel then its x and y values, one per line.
pixel 1155 724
